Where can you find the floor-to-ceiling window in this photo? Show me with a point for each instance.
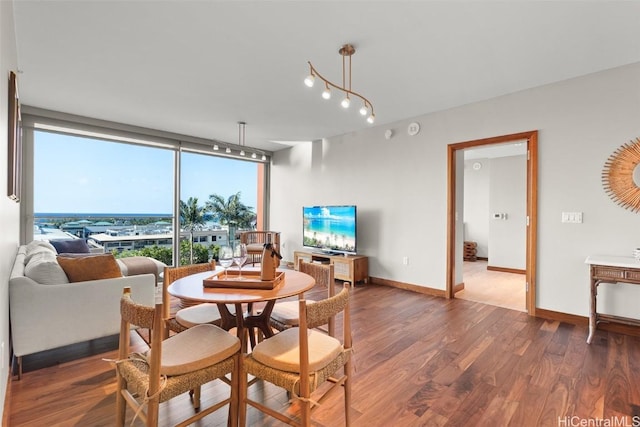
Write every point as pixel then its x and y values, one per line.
pixel 117 196
pixel 218 198
pixel 125 196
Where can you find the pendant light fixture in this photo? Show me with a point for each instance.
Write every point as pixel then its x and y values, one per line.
pixel 346 51
pixel 241 126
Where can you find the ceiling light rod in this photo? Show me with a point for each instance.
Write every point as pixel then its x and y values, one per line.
pixel 346 50
pixel 241 132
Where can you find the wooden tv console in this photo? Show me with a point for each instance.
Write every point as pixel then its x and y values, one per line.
pixel 350 268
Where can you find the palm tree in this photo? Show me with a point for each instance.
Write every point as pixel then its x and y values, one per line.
pixel 231 212
pixel 191 218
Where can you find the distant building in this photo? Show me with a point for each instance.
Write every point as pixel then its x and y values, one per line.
pixel 117 240
pixel 104 236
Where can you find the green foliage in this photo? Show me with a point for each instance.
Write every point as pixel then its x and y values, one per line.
pixel 215 250
pixel 164 254
pixel 200 253
pixel 160 253
pixel 191 215
pixel 231 211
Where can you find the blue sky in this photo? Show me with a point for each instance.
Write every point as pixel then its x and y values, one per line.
pixel 82 175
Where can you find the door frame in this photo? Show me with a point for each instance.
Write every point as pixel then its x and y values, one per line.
pixel 532 209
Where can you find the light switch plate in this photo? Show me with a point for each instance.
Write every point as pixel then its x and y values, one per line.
pixel 572 217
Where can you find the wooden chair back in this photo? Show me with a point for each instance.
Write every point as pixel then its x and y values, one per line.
pixel 314 316
pixel 142 316
pixel 255 240
pixel 171 274
pixel 252 237
pixel 137 374
pixel 324 276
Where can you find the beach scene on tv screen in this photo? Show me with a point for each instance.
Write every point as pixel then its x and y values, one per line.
pixel 330 227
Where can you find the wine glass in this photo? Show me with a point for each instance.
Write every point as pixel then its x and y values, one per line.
pixel 240 257
pixel 225 258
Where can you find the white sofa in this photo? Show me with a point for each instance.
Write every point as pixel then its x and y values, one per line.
pixel 46 311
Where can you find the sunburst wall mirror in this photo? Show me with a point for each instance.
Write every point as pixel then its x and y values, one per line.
pixel 621 176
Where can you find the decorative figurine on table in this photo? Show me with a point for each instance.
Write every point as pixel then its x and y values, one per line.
pixel 270 260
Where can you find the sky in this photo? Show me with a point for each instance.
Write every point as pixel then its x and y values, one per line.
pixel 83 175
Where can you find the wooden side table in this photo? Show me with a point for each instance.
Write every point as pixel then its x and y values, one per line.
pixel 610 269
pixel 350 268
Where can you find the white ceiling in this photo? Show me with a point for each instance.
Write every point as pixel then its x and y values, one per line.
pixel 199 67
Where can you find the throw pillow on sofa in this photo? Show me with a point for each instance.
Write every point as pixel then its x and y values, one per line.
pixel 38 244
pixel 38 250
pixel 71 246
pixel 90 267
pixel 43 268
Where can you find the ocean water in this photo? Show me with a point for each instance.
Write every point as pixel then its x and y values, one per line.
pixel 342 227
pixel 99 215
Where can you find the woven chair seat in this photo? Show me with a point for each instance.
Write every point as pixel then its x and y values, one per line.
pixel 173 366
pixel 302 358
pixel 290 381
pixel 191 313
pixel 136 373
pixel 282 351
pixel 196 348
pixel 286 313
pixel 198 315
pixel 173 325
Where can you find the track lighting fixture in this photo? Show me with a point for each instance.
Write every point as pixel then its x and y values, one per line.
pixel 326 93
pixel 346 50
pixel 240 149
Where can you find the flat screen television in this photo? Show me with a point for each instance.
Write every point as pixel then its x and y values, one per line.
pixel 330 228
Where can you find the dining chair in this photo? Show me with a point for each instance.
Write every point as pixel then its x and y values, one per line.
pixel 255 241
pixel 300 359
pixel 285 314
pixel 172 367
pixel 191 314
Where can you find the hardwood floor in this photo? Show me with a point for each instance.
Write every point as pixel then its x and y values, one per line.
pixel 420 361
pixel 493 287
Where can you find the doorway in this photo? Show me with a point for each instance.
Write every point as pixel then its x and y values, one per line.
pixel 455 226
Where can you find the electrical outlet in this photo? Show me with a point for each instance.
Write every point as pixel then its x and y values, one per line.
pixel 405 260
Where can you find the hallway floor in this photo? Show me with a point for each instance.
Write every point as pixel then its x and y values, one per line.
pixel 493 287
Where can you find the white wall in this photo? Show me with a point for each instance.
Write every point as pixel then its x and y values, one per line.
pixel 9 210
pixel 499 185
pixel 476 204
pixel 508 196
pixel 400 185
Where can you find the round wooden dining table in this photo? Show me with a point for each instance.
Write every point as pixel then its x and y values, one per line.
pixel 191 288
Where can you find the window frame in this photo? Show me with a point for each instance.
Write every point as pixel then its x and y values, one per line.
pixel 36 119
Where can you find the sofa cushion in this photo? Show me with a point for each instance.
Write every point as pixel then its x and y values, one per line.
pixel 38 244
pixel 38 250
pixel 131 266
pixel 43 268
pixel 72 246
pixel 90 267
